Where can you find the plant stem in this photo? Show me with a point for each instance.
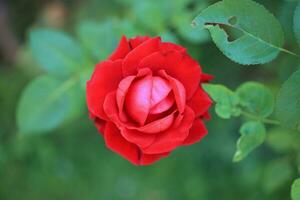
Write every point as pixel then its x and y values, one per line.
pixel 264 120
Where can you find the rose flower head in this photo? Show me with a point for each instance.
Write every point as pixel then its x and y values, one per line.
pixel 146 99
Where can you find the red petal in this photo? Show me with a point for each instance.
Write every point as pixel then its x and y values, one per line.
pixel 178 90
pixel 105 79
pixel 127 150
pixel 133 58
pixel 121 51
pixel 173 137
pixel 167 46
pixel 160 90
pixel 137 137
pixel 158 125
pixel 197 132
pixel 134 42
pixel 118 144
pixel 138 99
pixel 205 78
pixel 178 65
pixel 147 159
pixel 200 102
pixel 163 105
pixel 100 125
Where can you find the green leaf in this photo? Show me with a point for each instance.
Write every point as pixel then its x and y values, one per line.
pixel 276 174
pixel 252 135
pixel 297 23
pixel 295 192
pixel 46 103
pixel 256 99
pixel 226 100
pixel 99 39
pixel 283 140
pixel 262 35
pixel 57 53
pixel 288 102
pixel 146 11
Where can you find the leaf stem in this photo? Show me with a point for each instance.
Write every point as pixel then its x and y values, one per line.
pixel 264 120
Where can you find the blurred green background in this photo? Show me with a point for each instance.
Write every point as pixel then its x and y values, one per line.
pixel 72 162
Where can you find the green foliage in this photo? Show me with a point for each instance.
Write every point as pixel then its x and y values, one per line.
pixel 288 102
pixel 297 23
pixel 296 190
pixel 257 45
pixel 283 140
pixel 57 53
pixel 226 100
pixel 46 103
pixel 252 135
pixel 277 173
pixel 98 38
pixel 256 99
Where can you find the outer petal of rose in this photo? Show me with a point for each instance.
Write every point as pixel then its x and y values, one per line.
pixel 122 50
pixel 178 65
pixel 105 79
pixel 118 144
pixel 197 132
pixel 138 99
pixel 129 151
pixel 205 78
pixel 178 90
pixel 134 42
pixel 133 58
pixel 100 125
pixel 167 46
pixel 147 159
pixel 173 137
pixel 200 102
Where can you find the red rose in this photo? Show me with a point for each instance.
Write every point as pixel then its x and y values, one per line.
pixel 146 99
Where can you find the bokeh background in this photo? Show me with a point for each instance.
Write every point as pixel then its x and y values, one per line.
pixel 72 162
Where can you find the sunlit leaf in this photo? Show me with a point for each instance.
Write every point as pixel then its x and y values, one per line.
pixel 256 99
pixel 262 35
pixel 288 102
pixel 296 190
pixel 56 52
pixel 46 103
pixel 297 23
pixel 99 39
pixel 252 135
pixel 226 100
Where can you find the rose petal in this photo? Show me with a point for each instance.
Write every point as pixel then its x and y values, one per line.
pixel 122 50
pixel 127 150
pixel 178 90
pixel 173 137
pixel 133 58
pixel 100 125
pixel 138 99
pixel 134 42
pixel 197 132
pixel 137 137
pixel 167 46
pixel 118 144
pixel 158 125
pixel 200 102
pixel 163 105
pixel 160 90
pixel 178 65
pixel 105 79
pixel 205 78
pixel 147 159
